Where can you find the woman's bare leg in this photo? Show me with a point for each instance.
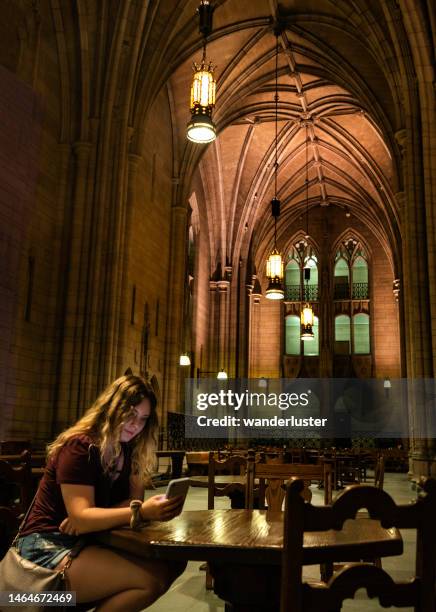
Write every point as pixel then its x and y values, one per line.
pixel 118 581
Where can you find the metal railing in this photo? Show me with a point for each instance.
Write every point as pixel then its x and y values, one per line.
pixel 311 293
pixel 293 293
pixel 296 293
pixel 360 291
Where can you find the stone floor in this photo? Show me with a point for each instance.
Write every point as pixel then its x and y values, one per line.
pixel 188 593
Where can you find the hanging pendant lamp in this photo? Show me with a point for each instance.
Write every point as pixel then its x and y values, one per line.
pixel 201 129
pixel 307 316
pixel 274 264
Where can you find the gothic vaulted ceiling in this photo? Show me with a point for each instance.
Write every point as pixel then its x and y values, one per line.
pixel 338 114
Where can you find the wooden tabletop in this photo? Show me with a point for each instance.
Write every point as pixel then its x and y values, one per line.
pixel 250 537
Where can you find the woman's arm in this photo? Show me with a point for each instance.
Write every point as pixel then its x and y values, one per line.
pixel 136 491
pixel 84 517
pixel 137 487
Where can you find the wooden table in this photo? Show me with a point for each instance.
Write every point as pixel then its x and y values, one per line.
pixel 244 548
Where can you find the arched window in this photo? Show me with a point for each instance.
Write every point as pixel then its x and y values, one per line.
pixel 293 280
pixel 351 272
pixel 292 335
pixel 311 347
pixel 301 274
pixel 351 267
pixel 311 283
pixel 360 278
pixel 361 334
pixel 342 335
pixel 342 278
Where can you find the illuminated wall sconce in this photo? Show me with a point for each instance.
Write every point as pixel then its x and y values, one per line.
pixel 387 386
pixel 396 289
pixel 184 360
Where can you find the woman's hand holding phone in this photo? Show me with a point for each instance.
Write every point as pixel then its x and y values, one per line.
pixel 159 508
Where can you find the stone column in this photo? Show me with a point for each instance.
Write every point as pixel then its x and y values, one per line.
pixel 224 311
pixel 247 329
pixel 211 363
pixel 419 361
pixel 121 346
pixel 64 223
pixel 326 312
pixel 71 392
pixel 172 396
pixel 254 322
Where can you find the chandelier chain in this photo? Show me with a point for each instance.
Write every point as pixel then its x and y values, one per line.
pixel 307 180
pixel 276 99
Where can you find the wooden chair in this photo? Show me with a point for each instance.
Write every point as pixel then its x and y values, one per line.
pixel 234 465
pixel 16 495
pixel 9 524
pixel 419 592
pixel 379 472
pixel 272 476
pixel 16 480
pixel 328 569
pixel 14 447
pixel 327 457
pixel 197 462
pixel 348 471
pixel 396 459
pixel 296 455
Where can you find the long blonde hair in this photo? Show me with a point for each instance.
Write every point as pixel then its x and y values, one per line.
pixel 104 420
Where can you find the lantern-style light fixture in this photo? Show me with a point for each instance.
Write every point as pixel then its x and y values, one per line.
pixel 307 322
pixel 307 317
pixel 201 129
pixel 222 375
pixel 274 264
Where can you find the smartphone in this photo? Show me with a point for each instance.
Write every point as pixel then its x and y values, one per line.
pixel 177 487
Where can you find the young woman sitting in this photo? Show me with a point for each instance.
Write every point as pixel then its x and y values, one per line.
pixel 94 469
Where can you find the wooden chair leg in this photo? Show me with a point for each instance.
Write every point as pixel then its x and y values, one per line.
pixel 326 571
pixel 209 578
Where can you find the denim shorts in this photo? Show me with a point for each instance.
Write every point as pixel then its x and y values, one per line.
pixel 46 549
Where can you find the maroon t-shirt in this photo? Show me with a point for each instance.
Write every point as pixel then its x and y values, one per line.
pixel 77 462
